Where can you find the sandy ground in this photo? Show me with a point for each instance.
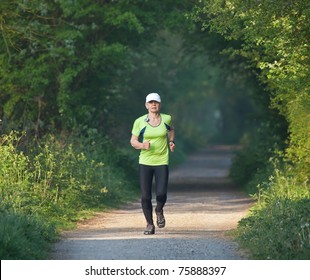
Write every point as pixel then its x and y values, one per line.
pixel 203 205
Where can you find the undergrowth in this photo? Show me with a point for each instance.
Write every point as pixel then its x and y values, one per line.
pixel 278 227
pixel 25 236
pixel 48 185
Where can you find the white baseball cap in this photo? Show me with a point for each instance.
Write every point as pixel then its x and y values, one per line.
pixel 153 97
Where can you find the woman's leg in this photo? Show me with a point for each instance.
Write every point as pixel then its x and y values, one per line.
pixel 161 182
pixel 146 179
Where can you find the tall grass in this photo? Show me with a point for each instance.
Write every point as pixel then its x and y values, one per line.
pixel 279 225
pixel 52 183
pixel 25 236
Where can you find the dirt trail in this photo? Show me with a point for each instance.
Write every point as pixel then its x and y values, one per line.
pixel 202 206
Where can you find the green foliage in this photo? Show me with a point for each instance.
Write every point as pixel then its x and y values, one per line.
pixel 24 236
pixel 50 183
pixel 299 149
pixel 56 178
pixel 260 148
pixel 64 64
pixel 15 177
pixel 273 38
pixel 279 226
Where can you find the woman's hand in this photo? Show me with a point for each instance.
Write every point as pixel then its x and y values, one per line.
pixel 146 145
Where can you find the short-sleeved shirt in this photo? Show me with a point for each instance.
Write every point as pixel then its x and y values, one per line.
pixel 158 154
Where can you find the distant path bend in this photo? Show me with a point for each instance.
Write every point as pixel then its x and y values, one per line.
pixel 202 206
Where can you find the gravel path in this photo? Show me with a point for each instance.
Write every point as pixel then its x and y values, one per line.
pixel 202 206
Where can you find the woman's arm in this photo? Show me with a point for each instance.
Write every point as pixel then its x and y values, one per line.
pixel 138 145
pixel 171 136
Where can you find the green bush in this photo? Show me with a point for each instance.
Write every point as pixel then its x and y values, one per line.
pixel 59 179
pixel 279 226
pixel 298 151
pixel 53 183
pixel 24 236
pixel 15 178
pixel 254 164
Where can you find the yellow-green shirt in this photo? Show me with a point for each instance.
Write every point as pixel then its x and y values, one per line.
pixel 158 154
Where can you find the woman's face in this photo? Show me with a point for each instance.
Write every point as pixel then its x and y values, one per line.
pixel 153 106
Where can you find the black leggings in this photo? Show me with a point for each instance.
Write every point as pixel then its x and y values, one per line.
pixel 161 174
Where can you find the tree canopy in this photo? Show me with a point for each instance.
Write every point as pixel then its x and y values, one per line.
pixel 275 41
pixel 220 65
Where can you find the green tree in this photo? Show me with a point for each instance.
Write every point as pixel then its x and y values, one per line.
pixel 274 36
pixel 66 63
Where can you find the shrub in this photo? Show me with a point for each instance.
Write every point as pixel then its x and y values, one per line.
pixel 48 184
pixel 15 178
pixel 24 236
pixel 59 179
pixel 279 226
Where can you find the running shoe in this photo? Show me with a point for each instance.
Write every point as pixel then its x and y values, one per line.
pixel 161 222
pixel 150 229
